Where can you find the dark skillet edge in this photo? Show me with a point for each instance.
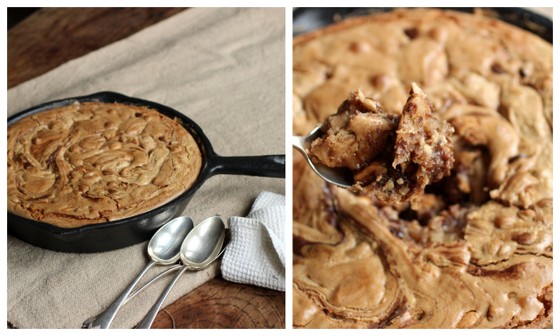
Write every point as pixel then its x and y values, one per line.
pixel 94 237
pixel 316 18
pixel 119 233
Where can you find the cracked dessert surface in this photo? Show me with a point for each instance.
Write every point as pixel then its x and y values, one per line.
pixel 92 162
pixel 475 249
pixel 392 157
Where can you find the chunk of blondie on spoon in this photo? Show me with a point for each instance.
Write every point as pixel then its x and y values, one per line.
pixel 393 157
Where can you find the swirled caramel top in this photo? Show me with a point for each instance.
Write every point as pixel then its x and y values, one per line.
pixel 474 250
pixel 95 162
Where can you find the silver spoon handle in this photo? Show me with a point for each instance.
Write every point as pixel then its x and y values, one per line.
pixel 144 286
pixel 104 320
pixel 146 323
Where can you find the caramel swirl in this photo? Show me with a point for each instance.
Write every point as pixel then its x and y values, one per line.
pixel 95 162
pixel 473 251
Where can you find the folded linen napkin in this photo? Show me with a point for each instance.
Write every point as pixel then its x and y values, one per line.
pixel 255 255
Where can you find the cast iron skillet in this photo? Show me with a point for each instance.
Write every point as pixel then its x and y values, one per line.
pixel 308 19
pixel 125 232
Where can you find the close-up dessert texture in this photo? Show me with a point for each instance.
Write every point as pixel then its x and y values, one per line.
pixel 391 157
pixel 445 120
pixel 88 163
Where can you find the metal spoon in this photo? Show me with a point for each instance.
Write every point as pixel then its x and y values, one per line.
pixel 336 176
pixel 164 249
pixel 201 247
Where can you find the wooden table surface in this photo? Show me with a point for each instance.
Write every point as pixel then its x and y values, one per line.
pixel 52 36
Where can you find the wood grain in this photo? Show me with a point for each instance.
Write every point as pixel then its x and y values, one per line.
pixel 221 304
pixel 53 36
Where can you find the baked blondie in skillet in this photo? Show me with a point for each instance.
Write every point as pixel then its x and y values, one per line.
pixel 122 232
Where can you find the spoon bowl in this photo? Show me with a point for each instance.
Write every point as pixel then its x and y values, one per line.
pixel 337 176
pixel 164 248
pixel 200 248
pixel 165 245
pixel 203 243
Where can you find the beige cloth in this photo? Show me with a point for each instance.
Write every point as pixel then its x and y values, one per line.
pixel 224 68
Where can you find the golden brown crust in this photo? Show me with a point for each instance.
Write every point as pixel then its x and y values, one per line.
pixel 476 250
pixel 95 162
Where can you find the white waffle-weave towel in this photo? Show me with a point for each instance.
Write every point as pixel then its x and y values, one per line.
pixel 255 254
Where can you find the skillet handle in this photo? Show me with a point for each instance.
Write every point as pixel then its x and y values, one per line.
pixel 264 165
